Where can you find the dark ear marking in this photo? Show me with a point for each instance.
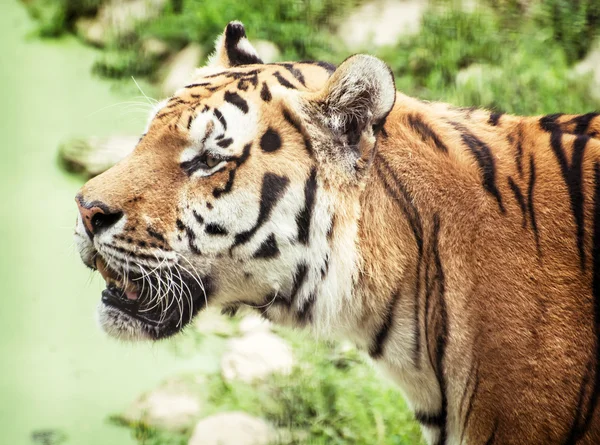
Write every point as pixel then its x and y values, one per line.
pixel 236 53
pixel 236 99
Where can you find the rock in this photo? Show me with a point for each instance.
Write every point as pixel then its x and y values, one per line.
pixel 170 407
pixel 155 48
pixel 211 322
pixel 256 356
pixel 590 67
pixel 233 428
pixel 254 323
pixel 91 31
pixel 117 18
pixel 181 68
pixel 121 16
pixel 268 51
pixel 381 22
pixel 93 156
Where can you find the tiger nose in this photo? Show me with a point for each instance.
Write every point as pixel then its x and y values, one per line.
pixel 96 217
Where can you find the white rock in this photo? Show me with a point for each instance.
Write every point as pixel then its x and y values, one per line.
pixel 590 67
pixel 233 428
pixel 211 322
pixel 121 16
pixel 256 356
pixel 181 68
pixel 254 323
pixel 381 22
pixel 92 31
pixel 155 47
pixel 267 51
pixel 93 156
pixel 166 408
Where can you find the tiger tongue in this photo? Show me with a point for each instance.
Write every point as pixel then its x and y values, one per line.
pixel 132 295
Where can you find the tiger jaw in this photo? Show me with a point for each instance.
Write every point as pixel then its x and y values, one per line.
pixel 151 305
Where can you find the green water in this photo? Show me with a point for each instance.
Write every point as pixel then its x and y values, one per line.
pixel 57 370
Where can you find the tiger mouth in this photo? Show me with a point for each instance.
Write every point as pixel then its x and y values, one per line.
pixel 161 309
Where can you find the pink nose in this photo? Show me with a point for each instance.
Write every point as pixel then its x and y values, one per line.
pixel 95 217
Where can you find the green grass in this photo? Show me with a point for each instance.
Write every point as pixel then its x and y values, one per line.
pixel 524 72
pixel 333 396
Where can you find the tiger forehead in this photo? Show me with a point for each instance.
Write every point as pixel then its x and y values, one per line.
pixel 237 86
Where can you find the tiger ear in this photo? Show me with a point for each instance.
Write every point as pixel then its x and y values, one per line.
pixel 232 48
pixel 355 102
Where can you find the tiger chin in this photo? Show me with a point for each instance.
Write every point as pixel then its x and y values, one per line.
pixel 459 248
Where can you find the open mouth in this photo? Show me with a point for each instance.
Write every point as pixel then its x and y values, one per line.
pixel 162 302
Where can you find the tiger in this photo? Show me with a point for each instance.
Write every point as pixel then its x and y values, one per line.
pixel 458 248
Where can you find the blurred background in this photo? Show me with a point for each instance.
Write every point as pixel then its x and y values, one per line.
pixel 77 79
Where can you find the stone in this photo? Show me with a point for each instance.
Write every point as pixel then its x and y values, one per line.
pixel 181 68
pixel 256 356
pixel 268 51
pixel 170 407
pixel 122 16
pixel 155 48
pixel 380 23
pixel 254 323
pixel 94 155
pixel 589 68
pixel 211 322
pixel 92 31
pixel 232 428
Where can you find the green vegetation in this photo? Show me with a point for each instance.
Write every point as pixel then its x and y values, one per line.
pixel 332 397
pixel 471 59
pixel 508 55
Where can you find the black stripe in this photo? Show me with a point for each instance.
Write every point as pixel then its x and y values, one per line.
pixel 303 219
pixel 426 132
pixel 238 163
pixel 580 427
pixel 530 209
pixel 265 94
pixel 283 81
pixel 294 123
pixel 305 311
pixel 441 327
pixel 467 417
pixel 495 118
pixel 550 122
pixel 224 143
pixel 520 199
pixel 236 99
pixel 492 437
pixel 215 229
pixel 404 201
pixel 329 67
pixel 485 160
pixel 378 344
pixel 519 155
pixel 221 118
pixel 295 72
pixel 582 122
pixel 268 249
pixel 191 237
pixel 273 188
pixel 299 278
pixel 198 217
pixel 573 178
pixel 155 234
pixel 429 420
pixel 195 85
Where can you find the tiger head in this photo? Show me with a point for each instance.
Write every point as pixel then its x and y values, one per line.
pixel 244 190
